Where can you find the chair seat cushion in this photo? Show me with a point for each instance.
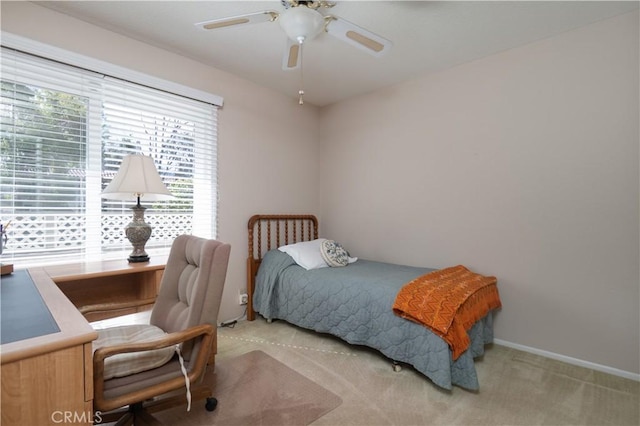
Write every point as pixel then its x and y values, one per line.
pixel 125 364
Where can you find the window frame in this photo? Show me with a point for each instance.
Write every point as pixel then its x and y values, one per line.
pixel 91 64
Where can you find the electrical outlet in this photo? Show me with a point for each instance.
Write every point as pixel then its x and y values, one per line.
pixel 243 298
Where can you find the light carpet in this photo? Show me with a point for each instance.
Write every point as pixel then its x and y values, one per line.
pixel 256 389
pixel 516 388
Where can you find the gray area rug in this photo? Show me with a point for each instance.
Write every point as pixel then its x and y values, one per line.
pixel 256 389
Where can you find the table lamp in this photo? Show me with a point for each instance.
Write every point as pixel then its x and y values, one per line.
pixel 137 178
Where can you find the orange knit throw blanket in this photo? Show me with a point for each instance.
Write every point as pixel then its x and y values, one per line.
pixel 448 301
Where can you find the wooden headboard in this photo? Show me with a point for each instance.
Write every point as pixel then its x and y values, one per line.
pixel 268 232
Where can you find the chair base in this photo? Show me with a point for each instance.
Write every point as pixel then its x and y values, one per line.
pixel 140 413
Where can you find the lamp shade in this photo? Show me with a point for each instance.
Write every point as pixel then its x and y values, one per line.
pixel 137 177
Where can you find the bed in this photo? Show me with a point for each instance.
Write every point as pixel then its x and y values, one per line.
pixel 356 303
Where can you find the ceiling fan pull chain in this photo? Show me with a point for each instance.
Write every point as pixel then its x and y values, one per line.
pixel 301 91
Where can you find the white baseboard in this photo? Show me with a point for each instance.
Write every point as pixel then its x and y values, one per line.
pixel 570 360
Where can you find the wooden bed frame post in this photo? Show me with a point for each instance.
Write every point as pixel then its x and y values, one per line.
pixel 251 276
pixel 307 222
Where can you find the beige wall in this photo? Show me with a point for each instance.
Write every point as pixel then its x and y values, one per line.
pixel 522 165
pixel 267 143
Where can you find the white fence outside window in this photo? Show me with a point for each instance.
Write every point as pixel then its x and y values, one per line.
pixel 65 233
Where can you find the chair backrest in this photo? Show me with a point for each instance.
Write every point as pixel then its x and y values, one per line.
pixel 191 288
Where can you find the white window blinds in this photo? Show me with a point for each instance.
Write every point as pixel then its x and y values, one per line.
pixel 64 132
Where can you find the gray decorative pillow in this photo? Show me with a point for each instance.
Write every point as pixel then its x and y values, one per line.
pixel 334 254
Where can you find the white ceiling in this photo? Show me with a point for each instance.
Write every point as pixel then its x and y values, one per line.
pixel 427 37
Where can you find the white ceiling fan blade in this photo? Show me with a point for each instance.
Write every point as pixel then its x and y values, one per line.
pixel 358 36
pixel 292 55
pixel 250 18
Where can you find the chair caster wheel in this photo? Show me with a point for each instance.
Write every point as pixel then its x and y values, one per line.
pixel 397 367
pixel 211 404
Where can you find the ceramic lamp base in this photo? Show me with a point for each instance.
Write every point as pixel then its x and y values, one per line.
pixel 138 233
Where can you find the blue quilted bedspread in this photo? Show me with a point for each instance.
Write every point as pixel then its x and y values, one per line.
pixel 355 303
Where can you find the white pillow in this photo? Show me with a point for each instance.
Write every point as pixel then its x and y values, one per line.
pixel 306 254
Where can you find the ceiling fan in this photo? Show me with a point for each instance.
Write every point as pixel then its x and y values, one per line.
pixel 302 21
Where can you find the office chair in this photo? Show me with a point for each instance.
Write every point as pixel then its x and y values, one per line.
pixel 134 365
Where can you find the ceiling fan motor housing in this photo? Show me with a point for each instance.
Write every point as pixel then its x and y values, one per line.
pixel 301 23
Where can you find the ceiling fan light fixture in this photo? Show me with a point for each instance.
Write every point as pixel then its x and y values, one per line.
pixel 301 23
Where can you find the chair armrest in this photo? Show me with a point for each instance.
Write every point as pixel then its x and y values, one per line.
pixel 163 342
pixel 171 339
pixel 115 306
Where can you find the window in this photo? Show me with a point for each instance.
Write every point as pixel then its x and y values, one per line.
pixel 63 133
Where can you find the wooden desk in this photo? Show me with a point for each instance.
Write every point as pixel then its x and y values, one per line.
pixel 48 377
pixel 48 380
pixel 110 281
